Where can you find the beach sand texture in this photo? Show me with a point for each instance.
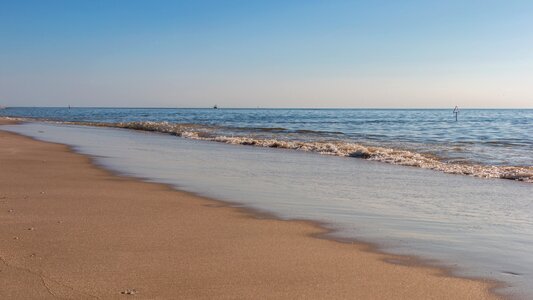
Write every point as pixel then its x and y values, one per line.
pixel 69 229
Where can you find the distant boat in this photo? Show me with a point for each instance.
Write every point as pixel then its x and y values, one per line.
pixel 215 107
pixel 2 107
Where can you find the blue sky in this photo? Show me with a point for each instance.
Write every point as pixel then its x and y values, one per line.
pixel 266 53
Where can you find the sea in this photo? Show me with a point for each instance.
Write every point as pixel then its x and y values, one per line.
pixel 456 193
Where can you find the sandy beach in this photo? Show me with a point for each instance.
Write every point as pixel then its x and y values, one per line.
pixel 72 230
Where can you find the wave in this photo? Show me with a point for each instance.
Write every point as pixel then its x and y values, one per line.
pixel 336 148
pixel 388 155
pixel 266 129
pixel 308 131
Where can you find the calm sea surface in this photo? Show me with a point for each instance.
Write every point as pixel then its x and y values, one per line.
pixel 483 143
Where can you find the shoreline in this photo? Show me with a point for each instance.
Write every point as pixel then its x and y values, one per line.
pixel 381 153
pixel 307 232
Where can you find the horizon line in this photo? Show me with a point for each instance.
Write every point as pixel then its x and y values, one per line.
pixel 259 107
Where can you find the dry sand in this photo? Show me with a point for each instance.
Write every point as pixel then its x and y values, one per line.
pixel 71 230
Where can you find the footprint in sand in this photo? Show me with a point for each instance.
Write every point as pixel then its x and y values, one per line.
pixel 129 292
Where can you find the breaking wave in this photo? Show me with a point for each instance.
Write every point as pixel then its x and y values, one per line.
pixel 336 148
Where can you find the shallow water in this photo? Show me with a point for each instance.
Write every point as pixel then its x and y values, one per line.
pixel 483 143
pixel 481 227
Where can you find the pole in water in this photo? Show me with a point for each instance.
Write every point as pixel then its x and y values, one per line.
pixel 456 112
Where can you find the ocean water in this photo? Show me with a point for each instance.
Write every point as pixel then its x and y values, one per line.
pixel 478 227
pixel 485 143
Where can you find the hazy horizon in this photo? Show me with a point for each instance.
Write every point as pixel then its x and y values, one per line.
pixel 287 107
pixel 267 54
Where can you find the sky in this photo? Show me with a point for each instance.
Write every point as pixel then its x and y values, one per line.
pixel 352 54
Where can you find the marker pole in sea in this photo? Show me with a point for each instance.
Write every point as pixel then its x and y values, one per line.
pixel 456 112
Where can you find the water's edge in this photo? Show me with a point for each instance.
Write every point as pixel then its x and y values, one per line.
pixel 393 156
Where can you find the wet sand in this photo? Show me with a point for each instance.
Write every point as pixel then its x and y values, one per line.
pixel 72 230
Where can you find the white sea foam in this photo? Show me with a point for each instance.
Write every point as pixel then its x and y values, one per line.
pixel 336 148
